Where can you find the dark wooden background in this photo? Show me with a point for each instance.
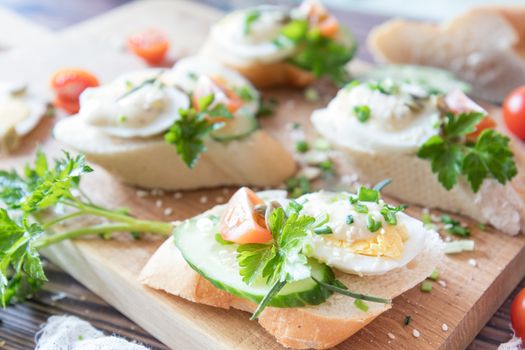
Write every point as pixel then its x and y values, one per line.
pixel 62 294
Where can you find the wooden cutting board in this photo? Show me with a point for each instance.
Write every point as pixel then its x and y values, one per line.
pixel 110 268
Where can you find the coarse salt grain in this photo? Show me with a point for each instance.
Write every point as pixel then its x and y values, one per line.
pixel 168 211
pixel 442 283
pixel 141 193
pixel 204 199
pixel 177 195
pixel 158 203
pixel 415 333
pixel 219 199
pixel 472 262
pixel 391 336
pixel 444 327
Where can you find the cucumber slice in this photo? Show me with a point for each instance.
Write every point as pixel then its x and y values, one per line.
pixel 195 238
pixel 242 126
pixel 434 78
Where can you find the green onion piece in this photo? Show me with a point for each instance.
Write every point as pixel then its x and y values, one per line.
pixel 250 19
pixel 349 219
pixel 361 305
pixel 322 219
pixel 352 84
pixel 389 215
pixel 311 94
pixel 327 166
pixel 481 227
pixel 323 230
pixel 362 113
pixel 341 289
pixel 221 241
pixel 267 298
pixel 461 245
pixel 382 184
pixel 372 224
pixel 426 286
pixel 368 195
pixel 434 275
pixel 302 146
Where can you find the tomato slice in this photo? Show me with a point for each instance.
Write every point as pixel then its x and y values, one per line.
pixel 329 27
pixel 240 223
pixel 69 83
pixel 151 45
pixel 70 107
pixel 457 102
pixel 514 112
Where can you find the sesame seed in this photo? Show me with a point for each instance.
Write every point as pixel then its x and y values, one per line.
pixel 442 283
pixel 141 193
pixel 168 211
pixel 177 195
pixel 158 203
pixel 204 199
pixel 391 335
pixel 472 262
pixel 415 333
pixel 444 327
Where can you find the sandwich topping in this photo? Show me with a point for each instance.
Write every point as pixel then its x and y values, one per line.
pixel 307 36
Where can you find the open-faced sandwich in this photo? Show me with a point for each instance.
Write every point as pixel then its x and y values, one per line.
pixel 190 127
pixel 20 112
pixel 285 261
pixel 440 150
pixel 275 45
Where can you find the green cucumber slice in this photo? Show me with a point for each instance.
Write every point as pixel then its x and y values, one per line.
pixel 436 79
pixel 242 126
pixel 195 239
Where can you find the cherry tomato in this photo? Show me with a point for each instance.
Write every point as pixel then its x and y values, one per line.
pixel 517 314
pixel 68 84
pixel 514 112
pixel 485 123
pixel 151 45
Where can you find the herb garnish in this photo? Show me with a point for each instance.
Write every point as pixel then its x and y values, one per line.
pixel 188 132
pixel 454 227
pixel 451 155
pixel 250 19
pixel 25 222
pixel 362 113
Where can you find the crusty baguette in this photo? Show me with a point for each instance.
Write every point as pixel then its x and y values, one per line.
pixel 318 327
pixel 502 206
pixel 485 47
pixel 263 74
pixel 257 160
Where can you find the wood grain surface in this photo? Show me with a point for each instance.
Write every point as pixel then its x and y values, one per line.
pixel 465 284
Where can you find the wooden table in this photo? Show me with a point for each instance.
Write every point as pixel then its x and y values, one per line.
pixel 63 295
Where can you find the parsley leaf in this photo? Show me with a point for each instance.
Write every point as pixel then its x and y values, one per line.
pixel 452 156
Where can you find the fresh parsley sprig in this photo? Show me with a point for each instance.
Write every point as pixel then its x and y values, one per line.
pixel 187 133
pixel 318 54
pixel 452 155
pixel 28 220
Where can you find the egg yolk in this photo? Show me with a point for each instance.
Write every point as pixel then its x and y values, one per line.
pixel 388 242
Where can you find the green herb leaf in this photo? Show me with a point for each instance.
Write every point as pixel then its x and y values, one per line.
pixel 302 146
pixel 361 305
pixel 446 160
pixel 362 113
pixel 251 17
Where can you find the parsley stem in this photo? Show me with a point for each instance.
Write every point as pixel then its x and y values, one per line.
pixel 267 298
pixel 355 295
pixel 60 219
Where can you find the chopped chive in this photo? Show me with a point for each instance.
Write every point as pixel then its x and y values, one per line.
pixel 267 298
pixel 361 305
pixel 340 288
pixel 250 19
pixel 302 146
pixel 358 207
pixel 349 219
pixel 454 227
pixel 407 320
pixel 322 145
pixel 382 184
pixel 426 286
pixel 389 215
pixel 122 118
pixel 221 241
pixel 311 94
pixel 372 224
pixel 481 227
pixel 459 246
pixel 368 195
pixel 327 166
pixel 323 230
pixel 362 112
pixel 434 275
pixel 321 220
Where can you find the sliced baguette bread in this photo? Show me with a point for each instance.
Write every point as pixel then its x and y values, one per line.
pixel 502 206
pixel 263 74
pixel 485 47
pixel 257 160
pixel 318 327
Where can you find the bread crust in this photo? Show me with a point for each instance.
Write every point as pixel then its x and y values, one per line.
pixel 265 75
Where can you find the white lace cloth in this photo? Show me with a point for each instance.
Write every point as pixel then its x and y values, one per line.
pixel 72 333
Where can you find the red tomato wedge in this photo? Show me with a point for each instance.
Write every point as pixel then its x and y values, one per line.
pixel 68 84
pixel 458 103
pixel 151 45
pixel 240 223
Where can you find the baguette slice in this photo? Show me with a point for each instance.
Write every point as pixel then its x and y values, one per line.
pixel 318 327
pixel 263 74
pixel 485 47
pixel 502 206
pixel 257 160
